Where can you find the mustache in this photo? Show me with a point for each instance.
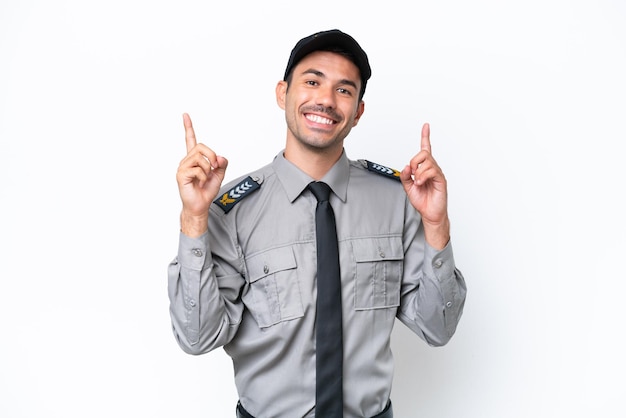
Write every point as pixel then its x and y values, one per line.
pixel 330 112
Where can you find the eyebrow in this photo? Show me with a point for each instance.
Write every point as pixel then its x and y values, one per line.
pixel 318 73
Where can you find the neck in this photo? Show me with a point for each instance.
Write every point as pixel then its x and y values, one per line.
pixel 315 162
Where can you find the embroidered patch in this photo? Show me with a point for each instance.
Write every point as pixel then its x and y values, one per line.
pixel 381 169
pixel 236 194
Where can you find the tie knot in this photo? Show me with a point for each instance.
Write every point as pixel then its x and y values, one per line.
pixel 320 190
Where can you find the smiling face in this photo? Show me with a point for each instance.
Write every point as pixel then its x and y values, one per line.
pixel 321 103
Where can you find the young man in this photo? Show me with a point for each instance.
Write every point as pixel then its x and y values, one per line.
pixel 247 270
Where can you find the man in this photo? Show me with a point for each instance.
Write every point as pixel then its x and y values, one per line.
pixel 246 274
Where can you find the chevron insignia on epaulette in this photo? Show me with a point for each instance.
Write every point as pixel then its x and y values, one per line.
pixel 385 171
pixel 236 194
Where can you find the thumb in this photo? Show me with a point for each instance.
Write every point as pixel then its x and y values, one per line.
pixel 220 169
pixel 406 178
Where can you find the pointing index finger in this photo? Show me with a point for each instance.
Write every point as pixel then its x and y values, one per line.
pixel 426 137
pixel 190 135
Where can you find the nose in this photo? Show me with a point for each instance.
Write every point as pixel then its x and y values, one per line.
pixel 326 97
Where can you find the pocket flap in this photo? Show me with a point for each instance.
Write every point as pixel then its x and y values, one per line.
pixel 377 249
pixel 270 262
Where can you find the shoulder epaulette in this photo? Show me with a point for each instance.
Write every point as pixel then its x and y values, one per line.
pixel 243 189
pixel 383 170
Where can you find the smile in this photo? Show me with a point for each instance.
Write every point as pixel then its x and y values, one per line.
pixel 319 119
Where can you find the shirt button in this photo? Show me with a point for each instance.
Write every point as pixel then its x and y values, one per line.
pixel 192 303
pixel 438 263
pixel 266 269
pixel 197 252
pixel 449 304
pixel 382 254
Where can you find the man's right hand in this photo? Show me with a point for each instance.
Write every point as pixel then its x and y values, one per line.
pixel 199 176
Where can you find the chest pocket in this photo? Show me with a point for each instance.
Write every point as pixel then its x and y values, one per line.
pixel 274 295
pixel 379 266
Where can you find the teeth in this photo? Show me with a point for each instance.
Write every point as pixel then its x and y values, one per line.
pixel 319 119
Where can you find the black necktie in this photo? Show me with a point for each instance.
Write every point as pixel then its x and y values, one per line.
pixel 329 351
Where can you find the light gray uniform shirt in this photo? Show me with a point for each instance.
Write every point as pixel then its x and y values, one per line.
pixel 248 285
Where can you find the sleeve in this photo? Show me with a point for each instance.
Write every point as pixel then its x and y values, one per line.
pixel 433 290
pixel 204 287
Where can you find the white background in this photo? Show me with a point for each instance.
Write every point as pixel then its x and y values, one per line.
pixel 527 106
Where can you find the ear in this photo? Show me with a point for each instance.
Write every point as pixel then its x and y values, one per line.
pixel 359 112
pixel 281 93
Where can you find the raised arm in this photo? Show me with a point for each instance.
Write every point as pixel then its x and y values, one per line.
pixel 427 189
pixel 199 176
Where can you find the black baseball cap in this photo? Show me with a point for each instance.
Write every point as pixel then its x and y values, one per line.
pixel 326 40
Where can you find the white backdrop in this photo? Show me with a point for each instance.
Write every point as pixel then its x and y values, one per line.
pixel 527 104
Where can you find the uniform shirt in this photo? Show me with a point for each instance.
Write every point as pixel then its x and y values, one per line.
pixel 248 284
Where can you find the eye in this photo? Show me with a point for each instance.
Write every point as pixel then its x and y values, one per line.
pixel 344 91
pixel 311 82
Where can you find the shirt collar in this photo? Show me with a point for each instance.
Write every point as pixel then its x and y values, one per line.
pixel 295 180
